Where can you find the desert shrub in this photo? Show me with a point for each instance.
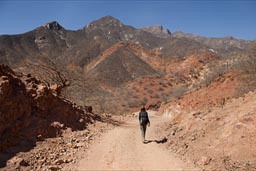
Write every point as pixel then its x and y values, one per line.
pixel 156 96
pixel 145 88
pixel 164 98
pixel 248 70
pixel 160 89
pixel 161 82
pixel 144 101
pixel 135 89
pixel 164 85
pixel 151 84
pixel 163 94
pixel 179 91
pixel 150 91
pixel 169 84
pixel 179 75
pixel 215 73
pixel 248 66
pixel 133 103
pixel 135 96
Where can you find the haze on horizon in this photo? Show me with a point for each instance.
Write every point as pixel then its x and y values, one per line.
pixel 210 19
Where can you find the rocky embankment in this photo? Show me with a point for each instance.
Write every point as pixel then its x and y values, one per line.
pixel 31 111
pixel 214 128
pixel 59 153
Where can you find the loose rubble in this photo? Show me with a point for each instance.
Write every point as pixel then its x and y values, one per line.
pixel 31 112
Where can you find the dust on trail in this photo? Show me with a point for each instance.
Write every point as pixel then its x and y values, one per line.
pixel 122 149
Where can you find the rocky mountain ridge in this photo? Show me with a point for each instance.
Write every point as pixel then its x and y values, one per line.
pixel 104 55
pixel 117 68
pixel 215 43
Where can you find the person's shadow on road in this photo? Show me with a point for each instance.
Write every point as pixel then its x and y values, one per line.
pixel 162 141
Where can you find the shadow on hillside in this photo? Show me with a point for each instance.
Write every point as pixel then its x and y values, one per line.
pixel 27 145
pixel 161 141
pixel 23 146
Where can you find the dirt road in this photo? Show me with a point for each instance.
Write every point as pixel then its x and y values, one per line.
pixel 122 149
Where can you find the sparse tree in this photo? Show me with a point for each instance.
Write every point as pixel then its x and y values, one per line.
pixel 49 72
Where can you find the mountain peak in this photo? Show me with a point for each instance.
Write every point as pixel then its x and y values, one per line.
pixel 109 17
pixel 106 21
pixel 54 25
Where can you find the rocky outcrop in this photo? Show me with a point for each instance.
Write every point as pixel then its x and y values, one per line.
pixel 31 111
pixel 54 25
pixel 212 127
pixel 107 21
pixel 158 31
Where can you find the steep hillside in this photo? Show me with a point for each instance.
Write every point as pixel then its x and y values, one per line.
pixel 213 124
pixel 120 67
pixel 31 111
pixel 218 138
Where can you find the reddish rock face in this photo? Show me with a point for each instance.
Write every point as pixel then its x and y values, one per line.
pixel 29 109
pixel 15 106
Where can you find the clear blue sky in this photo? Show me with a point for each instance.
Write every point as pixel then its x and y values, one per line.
pixel 215 18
